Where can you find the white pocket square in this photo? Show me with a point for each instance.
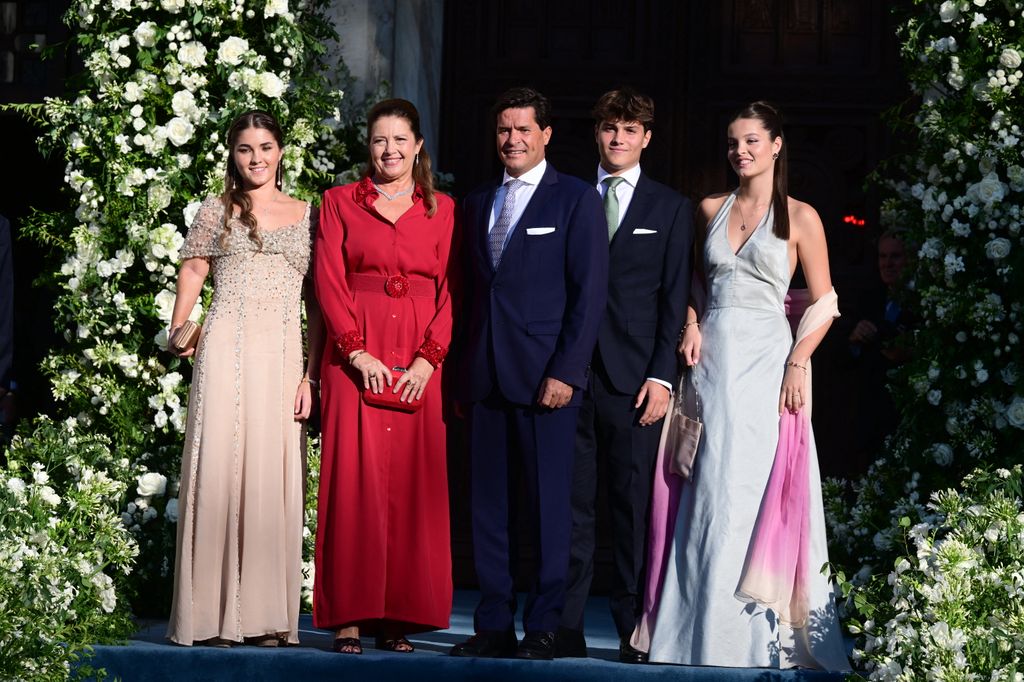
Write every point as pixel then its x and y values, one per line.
pixel 644 230
pixel 539 230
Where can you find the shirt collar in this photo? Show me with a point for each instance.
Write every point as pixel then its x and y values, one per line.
pixel 530 177
pixel 632 176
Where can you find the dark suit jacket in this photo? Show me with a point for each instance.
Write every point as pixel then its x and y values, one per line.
pixel 538 315
pixel 648 287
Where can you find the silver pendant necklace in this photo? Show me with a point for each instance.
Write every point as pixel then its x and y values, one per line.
pixel 392 197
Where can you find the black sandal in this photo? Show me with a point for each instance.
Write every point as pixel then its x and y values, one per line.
pixel 352 643
pixel 398 644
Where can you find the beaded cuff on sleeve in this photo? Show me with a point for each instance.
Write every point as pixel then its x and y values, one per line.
pixel 432 352
pixel 349 342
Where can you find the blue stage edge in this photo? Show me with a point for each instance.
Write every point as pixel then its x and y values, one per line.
pixel 151 658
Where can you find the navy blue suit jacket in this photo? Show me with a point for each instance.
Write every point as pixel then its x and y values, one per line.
pixel 537 315
pixel 649 287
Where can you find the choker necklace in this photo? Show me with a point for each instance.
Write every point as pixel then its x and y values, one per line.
pixel 392 197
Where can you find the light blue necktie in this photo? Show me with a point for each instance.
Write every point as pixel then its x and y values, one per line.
pixel 496 239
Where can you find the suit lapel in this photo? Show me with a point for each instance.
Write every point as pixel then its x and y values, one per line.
pixel 484 219
pixel 531 215
pixel 636 213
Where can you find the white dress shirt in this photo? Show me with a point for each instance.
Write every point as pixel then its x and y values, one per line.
pixel 532 178
pixel 624 193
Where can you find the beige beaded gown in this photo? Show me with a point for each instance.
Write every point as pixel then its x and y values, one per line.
pixel 238 570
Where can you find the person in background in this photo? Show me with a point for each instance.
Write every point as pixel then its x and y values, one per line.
pixel 238 566
pixel 384 259
pixel 536 264
pixel 634 366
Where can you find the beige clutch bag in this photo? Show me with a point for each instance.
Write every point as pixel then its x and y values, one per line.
pixel 185 337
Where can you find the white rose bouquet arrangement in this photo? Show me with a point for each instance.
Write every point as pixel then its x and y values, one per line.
pixel 957 196
pixel 952 607
pixel 142 132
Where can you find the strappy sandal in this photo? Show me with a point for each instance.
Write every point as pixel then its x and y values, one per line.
pixel 352 643
pixel 397 644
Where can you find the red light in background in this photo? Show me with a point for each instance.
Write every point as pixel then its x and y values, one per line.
pixel 853 220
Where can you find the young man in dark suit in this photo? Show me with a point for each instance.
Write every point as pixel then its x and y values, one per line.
pixel 536 277
pixel 634 368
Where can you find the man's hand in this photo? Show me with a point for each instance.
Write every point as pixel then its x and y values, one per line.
pixel 554 393
pixel 657 402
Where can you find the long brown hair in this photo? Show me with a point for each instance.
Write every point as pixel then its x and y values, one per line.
pixel 233 194
pixel 771 119
pixel 421 172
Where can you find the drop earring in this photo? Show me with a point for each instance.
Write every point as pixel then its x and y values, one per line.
pixel 775 156
pixel 279 179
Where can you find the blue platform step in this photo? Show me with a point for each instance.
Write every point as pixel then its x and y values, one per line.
pixel 151 658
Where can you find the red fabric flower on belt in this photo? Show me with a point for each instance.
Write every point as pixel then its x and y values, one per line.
pixel 397 286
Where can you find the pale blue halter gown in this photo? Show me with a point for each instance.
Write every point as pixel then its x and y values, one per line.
pixel 746 341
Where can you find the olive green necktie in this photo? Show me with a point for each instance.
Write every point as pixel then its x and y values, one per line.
pixel 611 203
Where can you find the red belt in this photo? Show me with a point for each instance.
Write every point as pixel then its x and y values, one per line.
pixel 395 286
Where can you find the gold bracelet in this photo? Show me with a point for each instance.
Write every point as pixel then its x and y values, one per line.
pixel 307 380
pixel 352 358
pixel 790 363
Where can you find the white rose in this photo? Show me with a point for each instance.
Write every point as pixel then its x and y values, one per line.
pixel 1010 58
pixel 183 103
pixel 998 248
pixel 948 11
pixel 145 34
pixel 161 339
pixel 192 54
pixel 152 483
pixel 190 211
pixel 133 92
pixel 943 454
pixel 164 302
pixel 171 511
pixel 1015 412
pixel 990 190
pixel 179 130
pixel 271 85
pixel 275 8
pixel 231 50
pixel 104 269
pixel 173 6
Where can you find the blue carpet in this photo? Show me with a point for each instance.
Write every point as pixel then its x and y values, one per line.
pixel 151 658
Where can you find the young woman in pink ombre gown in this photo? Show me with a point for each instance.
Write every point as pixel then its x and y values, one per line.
pixel 735 552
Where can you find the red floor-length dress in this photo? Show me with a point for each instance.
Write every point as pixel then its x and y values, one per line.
pixel 383 551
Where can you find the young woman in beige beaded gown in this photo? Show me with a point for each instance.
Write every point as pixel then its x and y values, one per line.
pixel 238 574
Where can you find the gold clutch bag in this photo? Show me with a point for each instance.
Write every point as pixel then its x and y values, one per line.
pixel 185 337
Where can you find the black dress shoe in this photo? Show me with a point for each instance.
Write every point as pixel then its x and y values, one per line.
pixel 487 644
pixel 570 643
pixel 627 654
pixel 539 646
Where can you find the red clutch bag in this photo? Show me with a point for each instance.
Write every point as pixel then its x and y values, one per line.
pixel 388 399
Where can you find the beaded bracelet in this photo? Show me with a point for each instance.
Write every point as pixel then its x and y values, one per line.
pixel 790 363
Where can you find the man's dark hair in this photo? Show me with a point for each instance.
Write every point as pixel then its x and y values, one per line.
pixel 521 98
pixel 624 104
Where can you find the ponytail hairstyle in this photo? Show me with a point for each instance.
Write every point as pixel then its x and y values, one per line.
pixel 422 175
pixel 234 195
pixel 771 119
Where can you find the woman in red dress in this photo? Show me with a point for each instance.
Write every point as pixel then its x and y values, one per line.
pixel 382 255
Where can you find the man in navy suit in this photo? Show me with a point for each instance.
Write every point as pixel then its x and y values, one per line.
pixel 650 235
pixel 536 254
